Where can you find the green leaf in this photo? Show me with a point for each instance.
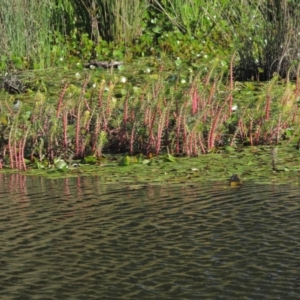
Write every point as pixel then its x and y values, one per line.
pixel 125 161
pixel 89 160
pixel 229 149
pixel 169 158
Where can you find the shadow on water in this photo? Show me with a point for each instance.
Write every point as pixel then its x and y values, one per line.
pixel 80 239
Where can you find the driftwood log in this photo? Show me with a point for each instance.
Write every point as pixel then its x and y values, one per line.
pixel 103 64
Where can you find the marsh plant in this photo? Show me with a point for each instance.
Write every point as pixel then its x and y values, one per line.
pixel 161 114
pixel 264 34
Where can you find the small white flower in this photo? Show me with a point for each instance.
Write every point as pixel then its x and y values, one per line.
pixel 92 67
pixel 94 85
pixel 147 70
pixel 77 75
pixel 17 104
pixel 183 81
pixel 178 42
pixel 205 56
pixel 234 107
pixel 61 59
pixel 78 64
pixel 123 79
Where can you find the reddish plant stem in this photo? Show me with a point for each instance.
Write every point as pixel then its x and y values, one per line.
pixel 65 129
pixel 151 135
pixel 96 133
pixel 178 127
pixel 60 100
pixel 125 115
pixel 22 164
pixel 22 145
pixel 201 143
pixel 295 114
pixel 195 101
pixel 278 127
pixel 257 135
pixel 211 135
pixel 184 132
pixel 100 94
pixel 77 135
pixel 167 121
pixel 211 94
pixel 146 116
pixel 86 104
pixel 251 132
pixel 8 108
pixel 11 153
pixel 15 149
pixel 190 145
pixel 160 131
pixel 80 148
pixel 267 107
pixel 132 139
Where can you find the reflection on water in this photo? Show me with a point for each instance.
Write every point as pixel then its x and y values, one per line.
pixel 82 239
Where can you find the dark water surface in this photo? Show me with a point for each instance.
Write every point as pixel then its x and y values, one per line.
pixel 81 239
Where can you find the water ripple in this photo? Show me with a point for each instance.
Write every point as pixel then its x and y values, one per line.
pixel 80 239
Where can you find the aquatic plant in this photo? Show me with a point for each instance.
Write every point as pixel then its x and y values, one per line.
pixel 158 114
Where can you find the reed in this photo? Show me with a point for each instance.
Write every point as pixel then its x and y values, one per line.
pixel 25 38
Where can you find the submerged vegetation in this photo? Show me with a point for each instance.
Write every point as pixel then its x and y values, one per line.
pixel 181 89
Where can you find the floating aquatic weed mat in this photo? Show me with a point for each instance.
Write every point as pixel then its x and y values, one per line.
pixel 251 164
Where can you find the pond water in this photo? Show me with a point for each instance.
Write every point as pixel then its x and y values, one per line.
pixel 81 239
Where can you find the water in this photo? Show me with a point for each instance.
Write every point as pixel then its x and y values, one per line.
pixel 81 239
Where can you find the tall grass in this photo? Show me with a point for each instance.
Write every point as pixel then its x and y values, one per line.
pixel 265 34
pixel 25 32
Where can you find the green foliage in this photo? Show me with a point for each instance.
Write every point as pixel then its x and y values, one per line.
pixel 125 161
pixel 263 34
